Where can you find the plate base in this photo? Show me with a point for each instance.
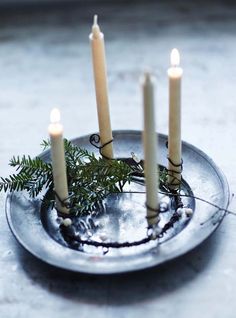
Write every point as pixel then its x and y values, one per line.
pixel 122 219
pixel 127 219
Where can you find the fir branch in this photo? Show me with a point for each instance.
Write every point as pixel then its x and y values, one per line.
pixel 90 179
pixel 32 176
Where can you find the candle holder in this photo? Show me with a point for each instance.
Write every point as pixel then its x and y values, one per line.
pixel 115 238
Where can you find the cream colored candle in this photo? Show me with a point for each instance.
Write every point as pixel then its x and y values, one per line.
pixel 55 130
pixel 150 151
pixel 100 78
pixel 174 140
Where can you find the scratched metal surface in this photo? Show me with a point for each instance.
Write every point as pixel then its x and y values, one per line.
pixel 45 61
pixel 123 217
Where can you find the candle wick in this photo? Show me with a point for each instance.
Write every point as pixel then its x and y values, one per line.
pixel 95 28
pixel 147 76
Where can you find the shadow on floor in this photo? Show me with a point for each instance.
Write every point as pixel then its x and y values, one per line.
pixel 123 288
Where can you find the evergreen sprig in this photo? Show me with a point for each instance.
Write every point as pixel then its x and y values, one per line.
pixel 32 176
pixel 90 179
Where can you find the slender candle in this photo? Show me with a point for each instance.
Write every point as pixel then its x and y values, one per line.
pixel 150 151
pixel 174 140
pixel 100 78
pixel 55 130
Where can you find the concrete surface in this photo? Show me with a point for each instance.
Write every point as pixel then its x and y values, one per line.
pixel 45 62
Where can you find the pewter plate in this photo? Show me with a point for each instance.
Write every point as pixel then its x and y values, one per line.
pixel 123 218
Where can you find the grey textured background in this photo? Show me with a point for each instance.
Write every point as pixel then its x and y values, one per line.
pixel 45 62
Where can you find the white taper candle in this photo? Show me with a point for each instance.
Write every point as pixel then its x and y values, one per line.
pixel 55 130
pixel 174 139
pixel 100 78
pixel 150 151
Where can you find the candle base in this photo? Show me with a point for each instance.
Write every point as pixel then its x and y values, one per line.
pixel 174 174
pixel 95 141
pixel 122 218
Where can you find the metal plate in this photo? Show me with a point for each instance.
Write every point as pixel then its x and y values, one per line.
pixel 37 230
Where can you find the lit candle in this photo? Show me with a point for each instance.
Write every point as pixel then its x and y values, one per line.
pixel 100 78
pixel 55 130
pixel 150 151
pixel 174 139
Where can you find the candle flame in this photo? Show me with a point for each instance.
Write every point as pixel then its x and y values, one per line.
pixel 55 116
pixel 174 57
pixel 95 19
